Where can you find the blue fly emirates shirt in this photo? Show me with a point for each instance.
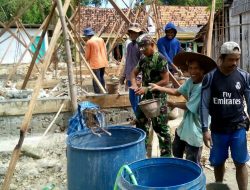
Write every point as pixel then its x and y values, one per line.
pixel 222 98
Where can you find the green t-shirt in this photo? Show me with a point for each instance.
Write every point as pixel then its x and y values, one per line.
pixel 190 127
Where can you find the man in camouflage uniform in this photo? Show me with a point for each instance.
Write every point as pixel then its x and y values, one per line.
pixel 154 69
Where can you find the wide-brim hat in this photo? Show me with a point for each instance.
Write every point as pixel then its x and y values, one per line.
pixel 135 27
pixel 182 60
pixel 88 32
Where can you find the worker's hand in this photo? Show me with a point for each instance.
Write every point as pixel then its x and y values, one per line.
pixel 207 139
pixel 141 91
pixel 171 104
pixel 134 87
pixel 122 80
pixel 155 87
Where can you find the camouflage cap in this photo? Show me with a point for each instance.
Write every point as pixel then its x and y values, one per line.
pixel 144 40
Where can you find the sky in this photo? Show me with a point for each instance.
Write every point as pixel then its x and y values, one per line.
pixel 119 3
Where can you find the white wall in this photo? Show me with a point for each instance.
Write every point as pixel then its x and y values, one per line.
pixel 16 49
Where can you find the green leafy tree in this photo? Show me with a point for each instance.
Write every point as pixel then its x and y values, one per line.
pixel 34 15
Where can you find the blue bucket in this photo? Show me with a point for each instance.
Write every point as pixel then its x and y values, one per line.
pixel 93 162
pixel 163 174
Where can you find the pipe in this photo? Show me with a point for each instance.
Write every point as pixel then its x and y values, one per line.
pixel 130 173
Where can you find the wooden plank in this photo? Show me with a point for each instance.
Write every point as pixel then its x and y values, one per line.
pixel 31 108
pixel 38 47
pixel 108 100
pixel 14 107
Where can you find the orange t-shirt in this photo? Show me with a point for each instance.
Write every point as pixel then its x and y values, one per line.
pixel 96 53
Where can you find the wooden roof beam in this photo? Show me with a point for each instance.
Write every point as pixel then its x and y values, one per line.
pixel 120 12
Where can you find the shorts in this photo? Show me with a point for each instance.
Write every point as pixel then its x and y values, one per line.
pixel 237 141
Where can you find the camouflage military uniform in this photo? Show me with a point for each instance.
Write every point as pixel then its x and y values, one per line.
pixel 151 68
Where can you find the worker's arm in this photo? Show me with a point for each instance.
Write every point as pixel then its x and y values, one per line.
pixel 165 79
pixel 204 110
pixel 181 105
pixel 247 93
pixel 162 50
pixel 133 76
pixel 170 91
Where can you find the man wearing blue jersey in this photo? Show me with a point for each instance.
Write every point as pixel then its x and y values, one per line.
pixel 223 93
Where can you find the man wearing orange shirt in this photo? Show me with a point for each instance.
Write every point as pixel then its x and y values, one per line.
pixel 96 55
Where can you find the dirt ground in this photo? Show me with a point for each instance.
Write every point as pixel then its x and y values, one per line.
pixel 34 174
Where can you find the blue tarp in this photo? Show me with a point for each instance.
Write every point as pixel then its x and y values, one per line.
pixel 77 121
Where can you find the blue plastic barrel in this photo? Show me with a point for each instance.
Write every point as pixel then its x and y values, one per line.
pixel 93 162
pixel 164 174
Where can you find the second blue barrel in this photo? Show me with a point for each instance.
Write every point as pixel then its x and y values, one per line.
pixel 163 174
pixel 93 162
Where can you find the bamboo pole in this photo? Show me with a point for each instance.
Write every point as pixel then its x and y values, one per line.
pixel 28 35
pixel 27 49
pixel 20 41
pixel 106 24
pixel 210 29
pixel 39 45
pixel 118 34
pixel 120 12
pixel 28 115
pixel 111 32
pixel 72 85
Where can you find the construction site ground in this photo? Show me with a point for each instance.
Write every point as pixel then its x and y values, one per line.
pixel 34 174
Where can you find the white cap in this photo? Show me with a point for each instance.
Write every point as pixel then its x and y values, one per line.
pixel 230 48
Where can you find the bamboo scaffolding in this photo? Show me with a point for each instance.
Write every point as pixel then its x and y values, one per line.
pixel 120 12
pixel 27 118
pixel 72 85
pixel 13 71
pixel 20 41
pixel 39 45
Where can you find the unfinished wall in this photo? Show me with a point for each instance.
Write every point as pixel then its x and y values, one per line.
pixel 9 125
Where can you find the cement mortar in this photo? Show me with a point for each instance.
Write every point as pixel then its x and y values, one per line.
pixel 10 125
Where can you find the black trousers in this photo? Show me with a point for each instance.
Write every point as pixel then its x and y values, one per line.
pixel 192 153
pixel 100 75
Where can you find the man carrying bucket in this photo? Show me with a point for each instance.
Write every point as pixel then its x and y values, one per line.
pixel 224 91
pixel 188 136
pixel 154 69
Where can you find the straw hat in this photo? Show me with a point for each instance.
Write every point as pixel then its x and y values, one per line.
pixel 181 60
